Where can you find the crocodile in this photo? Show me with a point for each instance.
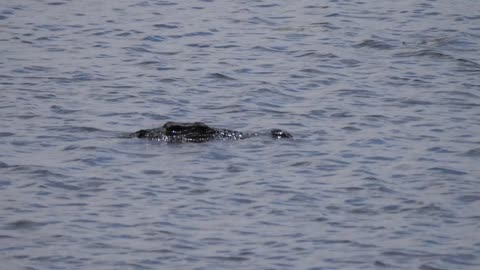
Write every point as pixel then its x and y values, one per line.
pixel 198 132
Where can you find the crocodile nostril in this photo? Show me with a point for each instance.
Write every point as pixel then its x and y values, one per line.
pixel 141 133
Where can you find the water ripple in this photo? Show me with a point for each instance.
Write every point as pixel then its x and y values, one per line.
pixel 382 99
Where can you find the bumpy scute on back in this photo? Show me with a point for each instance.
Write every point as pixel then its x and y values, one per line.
pixel 197 132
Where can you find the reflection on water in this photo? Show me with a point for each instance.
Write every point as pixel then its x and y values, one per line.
pixel 382 98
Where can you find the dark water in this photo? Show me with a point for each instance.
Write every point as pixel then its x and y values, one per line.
pixel 383 98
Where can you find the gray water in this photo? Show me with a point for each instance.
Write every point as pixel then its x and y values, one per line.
pixel 383 98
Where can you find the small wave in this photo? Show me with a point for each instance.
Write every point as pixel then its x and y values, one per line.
pixel 408 253
pixel 226 46
pixel 31 69
pixel 360 93
pixel 472 153
pixel 56 3
pixel 416 102
pixel 229 258
pixel 6 134
pixel 75 129
pixel 463 259
pixel 165 3
pixel 469 198
pixel 374 44
pixel 424 52
pixel 381 158
pixel 269 49
pixel 139 49
pixel 333 15
pixel 351 62
pixel 198 45
pixel 153 172
pixel 312 70
pixel 195 34
pixel 166 26
pixel 155 116
pixel 258 20
pixel 154 38
pixel 459 93
pixel 60 110
pixel 341 115
pixel 4 183
pixel 351 129
pixel 220 76
pixel 317 55
pixel 467 66
pixel 440 150
pixel 447 171
pixel 57 184
pixel 267 5
pixel 24 225
pixel 363 211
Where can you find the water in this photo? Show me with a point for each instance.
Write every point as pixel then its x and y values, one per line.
pixel 383 99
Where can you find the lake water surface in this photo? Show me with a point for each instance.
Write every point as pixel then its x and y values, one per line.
pixel 383 98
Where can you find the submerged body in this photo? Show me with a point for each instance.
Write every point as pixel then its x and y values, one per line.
pixel 197 132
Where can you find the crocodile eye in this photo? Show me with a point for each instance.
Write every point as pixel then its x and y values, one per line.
pixel 278 133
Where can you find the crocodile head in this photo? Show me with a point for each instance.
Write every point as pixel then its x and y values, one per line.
pixel 279 134
pixel 188 129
